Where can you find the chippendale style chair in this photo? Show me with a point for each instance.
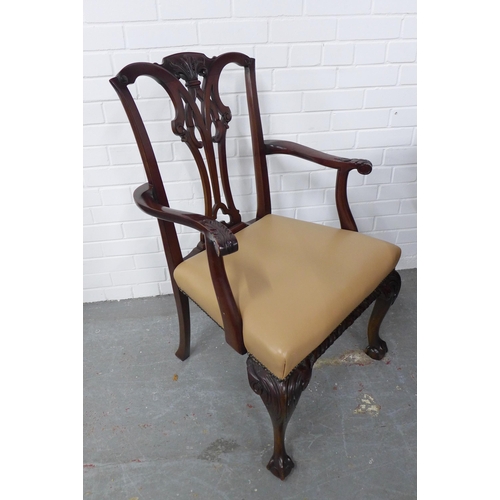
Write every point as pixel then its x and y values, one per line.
pixel 283 290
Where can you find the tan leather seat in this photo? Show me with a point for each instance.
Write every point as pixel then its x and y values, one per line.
pixel 285 314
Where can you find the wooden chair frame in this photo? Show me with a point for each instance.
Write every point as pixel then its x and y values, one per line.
pixel 210 120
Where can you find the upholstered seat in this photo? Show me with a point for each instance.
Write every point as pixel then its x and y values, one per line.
pixel 286 314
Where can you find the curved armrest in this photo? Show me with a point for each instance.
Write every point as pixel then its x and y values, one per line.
pixel 223 243
pixel 343 165
pixel 222 238
pixel 292 148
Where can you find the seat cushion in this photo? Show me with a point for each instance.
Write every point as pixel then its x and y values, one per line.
pixel 294 283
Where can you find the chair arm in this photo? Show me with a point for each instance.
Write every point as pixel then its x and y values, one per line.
pixel 222 238
pixel 292 148
pixel 223 243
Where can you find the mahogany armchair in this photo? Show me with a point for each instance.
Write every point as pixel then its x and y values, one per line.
pixel 283 290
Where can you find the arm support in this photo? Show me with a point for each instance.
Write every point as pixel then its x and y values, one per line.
pixel 342 165
pixel 220 241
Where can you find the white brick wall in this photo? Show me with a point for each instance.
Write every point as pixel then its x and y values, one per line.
pixel 339 76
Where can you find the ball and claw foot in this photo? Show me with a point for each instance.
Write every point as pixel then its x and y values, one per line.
pixel 280 466
pixel 378 351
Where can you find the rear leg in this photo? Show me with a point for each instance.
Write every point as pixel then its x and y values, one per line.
pixel 182 303
pixel 377 348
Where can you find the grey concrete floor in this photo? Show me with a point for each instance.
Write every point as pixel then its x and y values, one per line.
pixel 159 428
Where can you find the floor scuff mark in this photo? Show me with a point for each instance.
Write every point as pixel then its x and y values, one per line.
pixel 367 406
pixel 219 446
pixel 353 357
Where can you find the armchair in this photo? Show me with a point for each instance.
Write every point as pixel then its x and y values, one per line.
pixel 282 290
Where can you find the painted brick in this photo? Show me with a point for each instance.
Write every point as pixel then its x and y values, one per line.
pixel 99 11
pixel 369 28
pixel 400 156
pixel 402 51
pixel 302 51
pixel 384 138
pixel 317 214
pixel 404 117
pixel 145 290
pixel 264 8
pixel 376 208
pixel 338 7
pixel 338 54
pixel 97 89
pixel 95 157
pixel 117 213
pixel 304 79
pixel 118 292
pixel 333 99
pixel 304 122
pixel 280 102
pixel 121 195
pixel 120 59
pixel 408 206
pixel 395 222
pixel 92 114
pixel 92 250
pixel 409 28
pixel 355 194
pixel 363 119
pixel 297 199
pixel 398 191
pixel 96 64
pixel 328 141
pixel 102 232
pixel 368 76
pixel 408 74
pixel 141 228
pixel 146 261
pixel 98 135
pixel 138 276
pixel 405 174
pixel 395 6
pixel 130 247
pixel 95 295
pixel 96 281
pixel 379 175
pixel 103 38
pixel 407 236
pixel 114 176
pixel 369 52
pixel 109 264
pixel 391 97
pixel 305 55
pixel 91 197
pixel 303 30
pixel 323 179
pixel 294 182
pixel 150 110
pixel 226 32
pixel 271 56
pixel 194 9
pixel 139 36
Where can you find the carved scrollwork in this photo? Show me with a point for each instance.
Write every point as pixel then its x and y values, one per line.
pixel 362 166
pixel 225 241
pixel 187 66
pixel 280 396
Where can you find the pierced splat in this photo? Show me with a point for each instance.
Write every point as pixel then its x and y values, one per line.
pixel 211 119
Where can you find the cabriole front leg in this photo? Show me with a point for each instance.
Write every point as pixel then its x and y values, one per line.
pixel 377 348
pixel 280 397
